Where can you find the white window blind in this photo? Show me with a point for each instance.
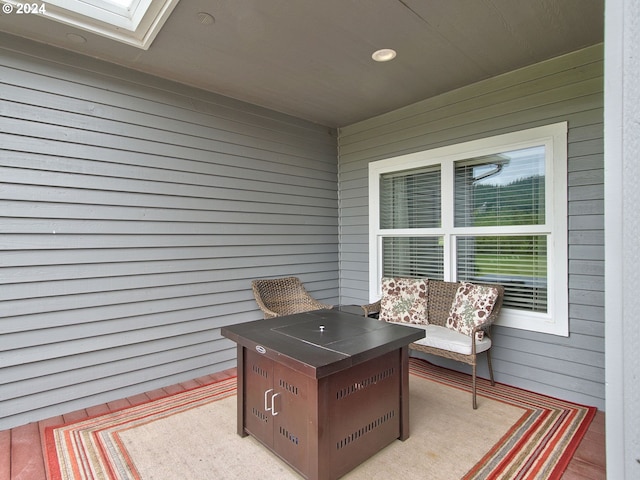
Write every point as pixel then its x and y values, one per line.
pixel 517 262
pixel 410 199
pixel 413 257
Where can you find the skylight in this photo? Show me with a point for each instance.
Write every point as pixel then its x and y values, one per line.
pixel 135 22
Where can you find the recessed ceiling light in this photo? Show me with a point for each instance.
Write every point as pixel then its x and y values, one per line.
pixel 205 19
pixel 384 55
pixel 75 38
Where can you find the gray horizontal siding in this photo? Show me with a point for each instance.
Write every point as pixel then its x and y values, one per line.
pixel 568 88
pixel 134 213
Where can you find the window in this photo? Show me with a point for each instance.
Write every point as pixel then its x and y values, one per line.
pixel 491 210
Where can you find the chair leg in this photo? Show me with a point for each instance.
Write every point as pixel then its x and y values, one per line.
pixel 473 385
pixel 490 367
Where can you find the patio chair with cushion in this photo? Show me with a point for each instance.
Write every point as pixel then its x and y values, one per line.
pixel 456 317
pixel 284 296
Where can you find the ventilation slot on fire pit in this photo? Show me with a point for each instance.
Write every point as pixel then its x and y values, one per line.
pixel 368 428
pixel 288 387
pixel 289 436
pixel 259 371
pixel 260 414
pixel 367 382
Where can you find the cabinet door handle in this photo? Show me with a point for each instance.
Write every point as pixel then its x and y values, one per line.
pixel 266 399
pixel 273 404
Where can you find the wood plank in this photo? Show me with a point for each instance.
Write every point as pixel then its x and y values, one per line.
pixel 589 461
pixel 24 464
pixel 42 427
pixel 112 257
pixel 586 222
pixel 586 266
pixel 586 252
pixel 5 455
pixel 587 282
pixel 586 207
pixel 16 206
pixel 71 242
pixel 586 237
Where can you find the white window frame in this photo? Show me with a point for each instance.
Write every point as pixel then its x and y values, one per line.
pixel 554 139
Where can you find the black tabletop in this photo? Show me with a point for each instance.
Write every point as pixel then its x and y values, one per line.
pixel 321 342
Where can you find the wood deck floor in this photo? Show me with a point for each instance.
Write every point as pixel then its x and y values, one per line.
pixel 21 448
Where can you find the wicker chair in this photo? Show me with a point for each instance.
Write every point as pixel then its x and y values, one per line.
pixel 440 298
pixel 284 296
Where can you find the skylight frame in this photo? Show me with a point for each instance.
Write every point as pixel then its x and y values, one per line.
pixel 136 24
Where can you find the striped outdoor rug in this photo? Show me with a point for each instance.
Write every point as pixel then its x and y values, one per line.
pixel 539 445
pixel 514 434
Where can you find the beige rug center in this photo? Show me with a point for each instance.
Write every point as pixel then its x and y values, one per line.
pixel 202 443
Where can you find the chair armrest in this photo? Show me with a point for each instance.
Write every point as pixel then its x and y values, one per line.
pixel 371 308
pixel 269 313
pixel 320 305
pixel 484 326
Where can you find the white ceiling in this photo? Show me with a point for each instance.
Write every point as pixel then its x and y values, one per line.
pixel 312 58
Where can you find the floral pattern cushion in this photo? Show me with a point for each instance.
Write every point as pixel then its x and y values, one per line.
pixel 471 307
pixel 404 300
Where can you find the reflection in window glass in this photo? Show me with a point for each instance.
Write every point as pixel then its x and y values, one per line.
pixel 502 189
pixel 517 262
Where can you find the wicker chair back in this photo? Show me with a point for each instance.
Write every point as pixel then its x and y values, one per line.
pixel 284 296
